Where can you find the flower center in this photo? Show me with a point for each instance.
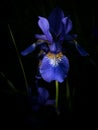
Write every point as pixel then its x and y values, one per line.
pixel 54 59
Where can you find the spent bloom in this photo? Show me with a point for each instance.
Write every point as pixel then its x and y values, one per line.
pixel 54 65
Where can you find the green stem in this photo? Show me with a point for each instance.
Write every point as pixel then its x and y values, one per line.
pixel 19 58
pixel 57 96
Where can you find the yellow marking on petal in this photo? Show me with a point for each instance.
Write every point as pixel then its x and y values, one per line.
pixel 54 59
pixel 59 55
pixel 52 55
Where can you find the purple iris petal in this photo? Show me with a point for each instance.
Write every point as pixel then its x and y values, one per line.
pixel 40 99
pixel 40 36
pixel 44 25
pixel 28 49
pixel 81 50
pixel 67 25
pixel 31 48
pixel 55 21
pixel 43 95
pixel 70 37
pixel 54 69
pixel 55 47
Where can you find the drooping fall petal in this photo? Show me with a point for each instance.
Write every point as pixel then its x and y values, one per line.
pixel 54 67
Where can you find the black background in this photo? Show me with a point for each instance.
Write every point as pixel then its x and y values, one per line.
pixel 22 16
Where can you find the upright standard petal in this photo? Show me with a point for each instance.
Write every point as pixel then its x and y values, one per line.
pixel 54 67
pixel 67 25
pixel 55 21
pixel 44 25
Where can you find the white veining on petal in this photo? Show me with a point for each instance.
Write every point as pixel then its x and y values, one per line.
pixel 54 59
pixel 54 62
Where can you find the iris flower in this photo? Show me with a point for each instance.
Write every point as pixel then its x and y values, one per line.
pixel 40 99
pixel 54 65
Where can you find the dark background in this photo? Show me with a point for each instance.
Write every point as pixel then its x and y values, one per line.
pixel 22 16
